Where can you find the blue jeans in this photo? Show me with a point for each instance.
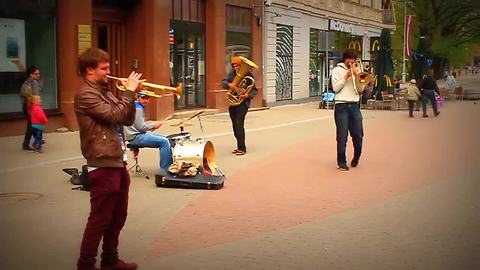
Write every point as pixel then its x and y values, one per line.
pixel 155 141
pixel 37 138
pixel 348 118
pixel 429 95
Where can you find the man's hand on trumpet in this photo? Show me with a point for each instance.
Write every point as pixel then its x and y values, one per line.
pixel 133 81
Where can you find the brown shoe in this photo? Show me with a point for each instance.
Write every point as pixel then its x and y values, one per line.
pixel 120 265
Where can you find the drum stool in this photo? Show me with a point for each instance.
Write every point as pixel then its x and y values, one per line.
pixel 136 151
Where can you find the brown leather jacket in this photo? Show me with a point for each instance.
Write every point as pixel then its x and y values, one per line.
pixel 101 116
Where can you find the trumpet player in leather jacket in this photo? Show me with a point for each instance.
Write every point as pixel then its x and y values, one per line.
pixel 101 117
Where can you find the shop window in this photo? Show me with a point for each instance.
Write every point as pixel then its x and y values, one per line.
pixel 316 61
pixel 284 62
pixel 239 33
pixel 27 36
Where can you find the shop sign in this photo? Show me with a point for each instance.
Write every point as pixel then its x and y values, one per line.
pixel 171 36
pixel 84 33
pixel 341 26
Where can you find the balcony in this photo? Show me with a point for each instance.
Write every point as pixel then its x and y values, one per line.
pixel 388 16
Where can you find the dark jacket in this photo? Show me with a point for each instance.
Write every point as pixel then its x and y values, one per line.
pixel 100 117
pixel 429 83
pixel 231 75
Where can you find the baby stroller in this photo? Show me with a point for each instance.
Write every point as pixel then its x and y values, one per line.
pixel 328 98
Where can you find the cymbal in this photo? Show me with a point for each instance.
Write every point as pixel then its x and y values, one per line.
pixel 181 124
pixel 196 114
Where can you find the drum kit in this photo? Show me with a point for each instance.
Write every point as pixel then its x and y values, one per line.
pixel 188 150
pixel 185 150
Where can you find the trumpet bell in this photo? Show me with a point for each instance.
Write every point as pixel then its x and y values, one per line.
pixel 364 78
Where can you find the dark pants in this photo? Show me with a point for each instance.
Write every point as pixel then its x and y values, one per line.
pixel 237 115
pixel 411 106
pixel 28 129
pixel 348 118
pixel 108 212
pixel 37 138
pixel 426 96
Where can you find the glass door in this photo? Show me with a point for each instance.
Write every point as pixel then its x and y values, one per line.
pixel 187 62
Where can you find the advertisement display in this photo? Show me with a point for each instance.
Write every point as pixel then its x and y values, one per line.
pixel 12 45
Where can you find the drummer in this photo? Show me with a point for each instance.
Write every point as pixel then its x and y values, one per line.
pixel 139 134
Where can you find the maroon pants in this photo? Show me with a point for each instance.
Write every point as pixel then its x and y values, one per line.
pixel 108 212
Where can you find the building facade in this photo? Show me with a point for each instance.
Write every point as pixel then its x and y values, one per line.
pixel 305 39
pixel 169 41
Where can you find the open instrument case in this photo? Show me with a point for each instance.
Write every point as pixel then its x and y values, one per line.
pixel 200 181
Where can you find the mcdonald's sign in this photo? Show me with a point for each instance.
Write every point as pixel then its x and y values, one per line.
pixel 356 45
pixel 374 44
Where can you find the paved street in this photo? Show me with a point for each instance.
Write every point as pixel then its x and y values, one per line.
pixel 412 203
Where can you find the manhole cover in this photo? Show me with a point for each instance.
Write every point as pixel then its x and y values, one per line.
pixel 19 196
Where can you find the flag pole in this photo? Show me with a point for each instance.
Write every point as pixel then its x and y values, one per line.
pixel 404 40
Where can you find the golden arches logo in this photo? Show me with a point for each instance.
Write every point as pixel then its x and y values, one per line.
pixel 388 80
pixel 375 46
pixel 355 44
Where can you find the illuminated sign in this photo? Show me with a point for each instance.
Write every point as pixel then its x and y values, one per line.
pixel 341 26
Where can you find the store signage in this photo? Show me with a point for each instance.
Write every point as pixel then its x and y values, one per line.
pixel 341 26
pixel 84 33
pixel 356 45
pixel 171 36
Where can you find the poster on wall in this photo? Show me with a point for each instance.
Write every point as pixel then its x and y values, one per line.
pixel 12 45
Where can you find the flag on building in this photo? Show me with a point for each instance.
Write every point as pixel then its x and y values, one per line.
pixel 409 20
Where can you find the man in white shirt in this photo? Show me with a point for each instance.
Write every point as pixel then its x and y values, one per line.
pixel 348 117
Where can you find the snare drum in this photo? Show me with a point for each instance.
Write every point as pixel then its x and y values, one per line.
pixel 178 137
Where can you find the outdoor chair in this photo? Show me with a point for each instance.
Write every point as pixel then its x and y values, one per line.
pixel 387 100
pixel 458 92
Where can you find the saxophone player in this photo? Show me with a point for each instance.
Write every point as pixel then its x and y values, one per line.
pixel 239 112
pixel 347 114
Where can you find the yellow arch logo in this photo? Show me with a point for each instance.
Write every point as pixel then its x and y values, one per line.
pixel 355 44
pixel 375 46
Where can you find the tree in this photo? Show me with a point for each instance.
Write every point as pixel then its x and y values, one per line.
pixel 449 28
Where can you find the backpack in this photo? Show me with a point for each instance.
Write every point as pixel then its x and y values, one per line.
pixel 79 179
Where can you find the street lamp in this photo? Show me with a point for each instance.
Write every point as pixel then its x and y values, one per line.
pixel 404 75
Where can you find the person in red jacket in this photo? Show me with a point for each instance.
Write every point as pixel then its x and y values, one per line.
pixel 39 119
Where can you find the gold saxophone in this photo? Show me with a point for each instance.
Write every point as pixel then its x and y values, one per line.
pixel 244 83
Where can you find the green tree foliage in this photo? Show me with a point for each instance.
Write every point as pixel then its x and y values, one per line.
pixel 450 28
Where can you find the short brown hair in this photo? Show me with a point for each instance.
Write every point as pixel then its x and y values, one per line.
pixel 349 54
pixel 90 59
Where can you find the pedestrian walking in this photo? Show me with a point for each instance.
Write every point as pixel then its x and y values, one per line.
pixel 39 119
pixel 31 86
pixel 428 89
pixel 451 83
pixel 412 95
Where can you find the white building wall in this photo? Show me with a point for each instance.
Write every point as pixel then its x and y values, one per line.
pixel 301 21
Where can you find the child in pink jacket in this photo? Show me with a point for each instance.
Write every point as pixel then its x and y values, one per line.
pixel 39 119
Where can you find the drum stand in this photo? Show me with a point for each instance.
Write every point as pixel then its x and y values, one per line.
pixel 138 169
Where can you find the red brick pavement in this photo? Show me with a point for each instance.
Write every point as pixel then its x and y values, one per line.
pixel 300 184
